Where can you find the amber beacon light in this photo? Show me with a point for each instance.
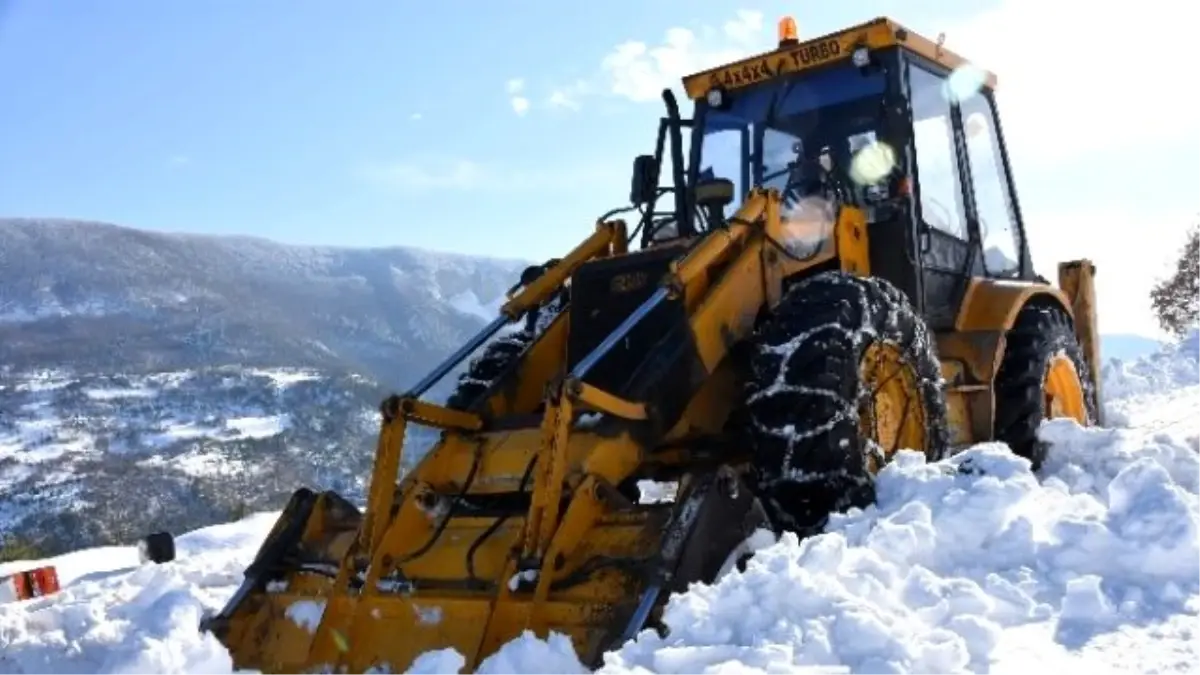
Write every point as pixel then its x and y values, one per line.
pixel 788 36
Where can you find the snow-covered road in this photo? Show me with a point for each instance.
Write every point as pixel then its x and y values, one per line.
pixel 971 564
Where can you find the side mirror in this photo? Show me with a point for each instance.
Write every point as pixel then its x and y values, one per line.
pixel 644 187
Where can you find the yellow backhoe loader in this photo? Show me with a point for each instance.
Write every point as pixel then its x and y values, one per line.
pixel 840 271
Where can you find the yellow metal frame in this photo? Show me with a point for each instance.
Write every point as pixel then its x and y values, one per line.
pixel 1077 280
pixel 834 47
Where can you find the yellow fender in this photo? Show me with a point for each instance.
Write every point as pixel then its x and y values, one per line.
pixel 972 352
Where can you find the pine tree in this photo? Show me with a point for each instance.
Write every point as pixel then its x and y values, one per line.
pixel 1176 299
pixel 16 548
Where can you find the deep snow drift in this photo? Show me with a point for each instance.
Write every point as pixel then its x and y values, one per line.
pixel 971 564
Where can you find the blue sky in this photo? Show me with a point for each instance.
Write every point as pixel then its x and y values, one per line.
pixel 506 128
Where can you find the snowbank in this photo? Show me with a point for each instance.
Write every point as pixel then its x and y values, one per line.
pixel 1173 366
pixel 970 564
pixel 951 556
pixel 117 616
pixel 1146 392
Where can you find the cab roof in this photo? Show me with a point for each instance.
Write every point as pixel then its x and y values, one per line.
pixel 826 49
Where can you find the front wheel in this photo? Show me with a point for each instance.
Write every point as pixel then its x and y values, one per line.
pixel 843 375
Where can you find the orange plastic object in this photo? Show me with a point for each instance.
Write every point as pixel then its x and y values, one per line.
pixel 29 584
pixel 788 34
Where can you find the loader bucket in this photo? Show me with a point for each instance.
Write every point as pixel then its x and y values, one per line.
pixel 302 554
pixel 294 614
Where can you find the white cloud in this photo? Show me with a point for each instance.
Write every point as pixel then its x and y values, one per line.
pixel 570 96
pixel 516 87
pixel 638 71
pixel 179 160
pixel 460 175
pixel 560 99
pixel 416 117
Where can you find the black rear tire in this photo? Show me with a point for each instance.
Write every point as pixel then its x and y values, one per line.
pixel 1039 333
pixel 805 393
pixel 157 547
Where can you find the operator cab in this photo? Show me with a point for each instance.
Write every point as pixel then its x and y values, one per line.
pixel 880 118
pixel 874 117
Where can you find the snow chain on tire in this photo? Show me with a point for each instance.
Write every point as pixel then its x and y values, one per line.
pixel 805 392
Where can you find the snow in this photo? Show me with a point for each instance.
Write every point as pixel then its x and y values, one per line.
pixel 202 462
pixel 54 423
pixel 114 615
pixel 258 427
pixel 952 556
pixel 234 428
pixel 115 393
pixel 285 377
pixel 972 563
pixel 468 303
pixel 528 654
pixel 49 307
pixel 306 614
pixel 437 661
pixel 39 438
pixel 173 433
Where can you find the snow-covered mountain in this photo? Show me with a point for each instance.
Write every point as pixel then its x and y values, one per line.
pixel 214 373
pixel 89 459
pixel 972 564
pixel 101 298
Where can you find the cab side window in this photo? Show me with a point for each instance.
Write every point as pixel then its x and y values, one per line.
pixel 998 230
pixel 938 191
pixel 778 152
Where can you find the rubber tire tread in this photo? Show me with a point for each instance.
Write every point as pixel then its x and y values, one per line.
pixel 1038 333
pixel 499 355
pixel 159 547
pixel 829 320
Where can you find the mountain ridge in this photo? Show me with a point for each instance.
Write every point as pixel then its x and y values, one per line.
pixel 177 300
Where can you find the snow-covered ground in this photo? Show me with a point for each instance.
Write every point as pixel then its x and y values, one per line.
pixel 159 407
pixel 70 440
pixel 971 564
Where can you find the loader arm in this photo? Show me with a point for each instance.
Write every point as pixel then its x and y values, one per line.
pixel 504 527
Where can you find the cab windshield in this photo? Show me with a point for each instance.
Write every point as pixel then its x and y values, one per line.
pixel 767 135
